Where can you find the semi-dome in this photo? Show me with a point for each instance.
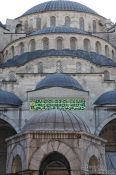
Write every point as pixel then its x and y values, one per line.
pixel 59 5
pixel 108 98
pixel 56 120
pixel 9 98
pixel 59 80
pixel 61 29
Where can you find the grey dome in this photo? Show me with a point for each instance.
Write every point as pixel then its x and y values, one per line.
pixel 92 57
pixel 8 98
pixel 56 120
pixel 107 98
pixel 61 29
pixel 59 5
pixel 59 80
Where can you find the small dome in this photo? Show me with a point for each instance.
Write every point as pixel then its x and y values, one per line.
pixel 59 5
pixel 8 98
pixel 56 120
pixel 59 80
pixel 107 98
pixel 62 29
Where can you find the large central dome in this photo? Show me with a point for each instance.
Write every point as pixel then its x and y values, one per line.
pixel 59 5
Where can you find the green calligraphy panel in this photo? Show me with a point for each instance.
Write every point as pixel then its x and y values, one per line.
pixel 47 104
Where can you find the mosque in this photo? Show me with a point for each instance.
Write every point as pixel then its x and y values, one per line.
pixel 58 92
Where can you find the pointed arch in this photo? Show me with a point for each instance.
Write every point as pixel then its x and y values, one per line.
pixel 48 148
pixel 93 165
pixel 16 164
pixel 17 150
pixel 53 162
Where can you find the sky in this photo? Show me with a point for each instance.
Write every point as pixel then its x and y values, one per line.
pixel 14 8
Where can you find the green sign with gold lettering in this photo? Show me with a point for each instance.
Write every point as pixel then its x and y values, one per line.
pixel 47 104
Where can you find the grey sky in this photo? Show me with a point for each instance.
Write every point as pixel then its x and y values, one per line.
pixel 14 8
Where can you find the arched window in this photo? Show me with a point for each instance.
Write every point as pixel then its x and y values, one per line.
pixel 93 165
pixel 18 28
pixel 29 68
pixel 106 75
pixel 21 48
pixel 38 23
pixel 59 67
pixel 12 51
pixel 91 69
pixel 32 45
pixel 12 76
pixel 67 21
pixel 94 25
pixel 40 67
pixel 73 43
pixel 17 164
pixel 52 21
pixel 113 55
pixel 98 47
pixel 87 46
pixel 45 43
pixel 6 53
pixel 106 51
pixel 59 43
pixel 1 58
pixel 81 24
pixel 30 25
pixel 78 67
pixel 26 26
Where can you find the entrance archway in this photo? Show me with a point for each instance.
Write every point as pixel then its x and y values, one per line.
pixel 54 164
pixel 109 133
pixel 6 130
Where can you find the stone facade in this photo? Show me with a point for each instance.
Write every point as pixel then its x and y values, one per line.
pixel 77 43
